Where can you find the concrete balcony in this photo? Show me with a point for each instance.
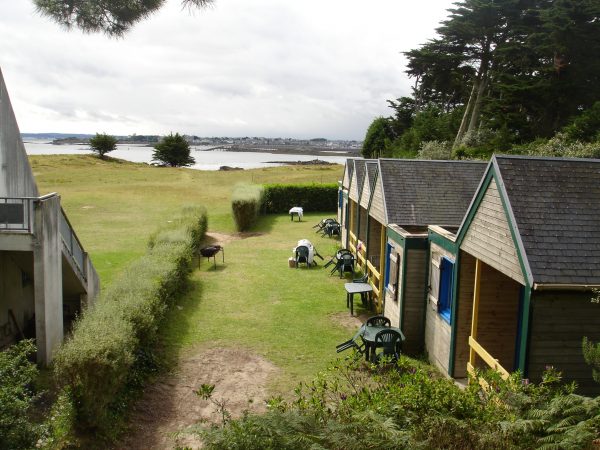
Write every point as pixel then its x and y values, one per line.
pixel 46 276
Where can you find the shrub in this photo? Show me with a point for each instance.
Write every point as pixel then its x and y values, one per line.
pixel 103 144
pixel 111 344
pixel 173 150
pixel 410 405
pixel 279 198
pixel 246 201
pixel 561 146
pixel 435 150
pixel 17 374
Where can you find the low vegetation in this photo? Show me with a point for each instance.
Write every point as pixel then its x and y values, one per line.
pixel 111 347
pixel 17 396
pixel 409 405
pixel 246 202
pixel 279 198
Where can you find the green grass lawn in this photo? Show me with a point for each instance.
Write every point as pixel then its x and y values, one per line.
pixel 253 301
pixel 114 205
pixel 256 301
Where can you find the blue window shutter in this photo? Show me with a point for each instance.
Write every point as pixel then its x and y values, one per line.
pixel 388 251
pixel 445 291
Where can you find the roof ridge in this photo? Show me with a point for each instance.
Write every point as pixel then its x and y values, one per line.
pixel 547 158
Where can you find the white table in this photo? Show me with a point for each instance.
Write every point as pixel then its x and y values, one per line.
pixel 297 210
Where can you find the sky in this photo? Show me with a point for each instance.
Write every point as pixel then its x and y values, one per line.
pixel 273 68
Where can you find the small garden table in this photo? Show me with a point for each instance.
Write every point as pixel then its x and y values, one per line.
pixel 368 336
pixel 364 289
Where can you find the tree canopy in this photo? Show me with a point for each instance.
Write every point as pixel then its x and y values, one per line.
pixel 103 144
pixel 510 71
pixel 173 150
pixel 113 17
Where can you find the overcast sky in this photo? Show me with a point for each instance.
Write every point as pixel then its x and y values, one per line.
pixel 312 68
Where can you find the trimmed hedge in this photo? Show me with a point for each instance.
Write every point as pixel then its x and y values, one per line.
pixel 109 346
pixel 246 202
pixel 279 198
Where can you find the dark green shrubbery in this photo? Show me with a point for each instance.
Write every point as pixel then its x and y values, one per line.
pixel 17 396
pixel 411 406
pixel 110 348
pixel 246 202
pixel 279 198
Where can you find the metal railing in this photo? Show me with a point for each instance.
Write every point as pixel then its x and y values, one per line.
pixel 72 243
pixel 16 214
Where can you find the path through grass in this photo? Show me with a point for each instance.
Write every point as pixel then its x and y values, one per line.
pixel 255 301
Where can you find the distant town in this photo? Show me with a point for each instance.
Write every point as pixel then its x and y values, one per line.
pixel 225 143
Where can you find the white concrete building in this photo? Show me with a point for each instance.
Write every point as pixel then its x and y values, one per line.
pixel 46 277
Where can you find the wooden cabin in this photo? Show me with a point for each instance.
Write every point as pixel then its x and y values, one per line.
pixel 409 195
pixel 359 247
pixel 354 194
pixel 343 207
pixel 525 259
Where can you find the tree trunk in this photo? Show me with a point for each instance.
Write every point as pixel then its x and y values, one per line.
pixel 476 114
pixel 465 119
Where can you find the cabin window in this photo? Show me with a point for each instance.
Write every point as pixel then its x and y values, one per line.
pixel 446 272
pixel 393 269
pixel 340 198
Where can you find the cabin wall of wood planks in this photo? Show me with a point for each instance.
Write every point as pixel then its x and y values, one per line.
pixel 437 330
pixel 346 179
pixel 413 300
pixel 391 307
pixel 498 317
pixel 353 192
pixel 560 320
pixel 464 313
pixel 488 237
pixel 374 242
pixel 362 227
pixel 365 193
pixel 377 204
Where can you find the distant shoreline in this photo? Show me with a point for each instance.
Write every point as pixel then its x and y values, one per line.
pixel 291 150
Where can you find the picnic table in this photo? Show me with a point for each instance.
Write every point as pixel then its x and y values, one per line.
pixel 364 289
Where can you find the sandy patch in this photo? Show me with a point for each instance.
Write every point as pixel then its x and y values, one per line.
pixel 170 405
pixel 347 321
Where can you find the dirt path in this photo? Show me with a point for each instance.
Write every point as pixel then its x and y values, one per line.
pixel 169 406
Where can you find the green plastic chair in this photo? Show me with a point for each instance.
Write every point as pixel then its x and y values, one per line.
pixel 302 255
pixel 390 343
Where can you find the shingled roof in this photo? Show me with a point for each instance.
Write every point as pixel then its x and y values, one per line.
pixel 359 171
pixel 555 203
pixel 349 169
pixel 369 178
pixel 425 192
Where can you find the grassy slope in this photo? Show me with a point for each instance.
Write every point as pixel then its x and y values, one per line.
pixel 255 301
pixel 114 205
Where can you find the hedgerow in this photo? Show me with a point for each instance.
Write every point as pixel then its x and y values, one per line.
pixel 279 198
pixel 246 202
pixel 111 344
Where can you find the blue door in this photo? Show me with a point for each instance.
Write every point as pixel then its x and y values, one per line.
pixel 445 291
